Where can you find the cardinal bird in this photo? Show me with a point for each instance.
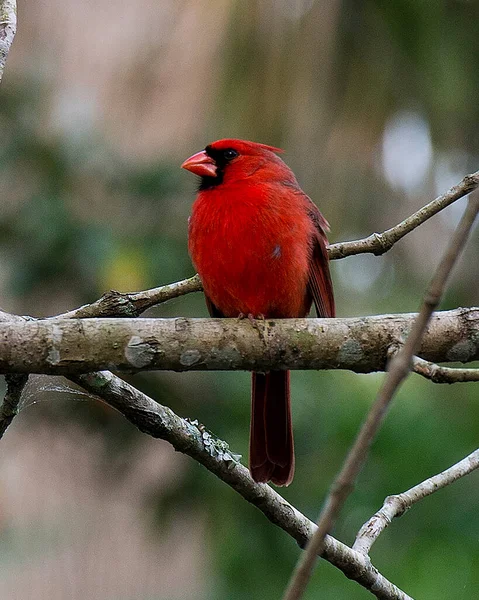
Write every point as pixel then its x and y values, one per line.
pixel 259 245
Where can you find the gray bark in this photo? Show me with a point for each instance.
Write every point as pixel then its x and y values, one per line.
pixel 363 344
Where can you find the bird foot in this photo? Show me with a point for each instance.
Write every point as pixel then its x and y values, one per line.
pixel 252 319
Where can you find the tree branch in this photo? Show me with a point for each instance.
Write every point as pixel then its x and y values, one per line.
pixel 195 441
pixel 8 28
pixel 120 304
pixel 15 385
pixel 192 439
pixel 397 505
pixel 439 374
pixel 399 368
pixel 379 243
pixel 55 346
pixel 9 408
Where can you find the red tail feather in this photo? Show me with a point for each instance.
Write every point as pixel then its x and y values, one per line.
pixel 271 453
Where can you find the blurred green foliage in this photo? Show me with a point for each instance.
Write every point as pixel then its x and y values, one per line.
pixel 78 219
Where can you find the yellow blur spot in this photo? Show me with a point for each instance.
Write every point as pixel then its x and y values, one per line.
pixel 125 271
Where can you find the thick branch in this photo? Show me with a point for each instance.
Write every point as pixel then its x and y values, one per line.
pixel 8 28
pixel 55 346
pixel 191 439
pixel 397 505
pixel 399 368
pixel 194 440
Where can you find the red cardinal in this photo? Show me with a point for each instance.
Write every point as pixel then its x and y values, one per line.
pixel 259 245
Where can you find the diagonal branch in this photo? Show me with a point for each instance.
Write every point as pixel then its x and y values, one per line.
pixel 8 28
pixel 399 368
pixel 118 304
pixel 395 506
pixel 189 438
pixel 379 243
pixel 195 441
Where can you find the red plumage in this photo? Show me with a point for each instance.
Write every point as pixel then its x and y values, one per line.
pixel 259 245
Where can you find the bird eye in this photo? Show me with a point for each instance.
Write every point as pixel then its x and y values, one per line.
pixel 229 154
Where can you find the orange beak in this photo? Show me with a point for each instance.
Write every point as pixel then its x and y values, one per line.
pixel 200 164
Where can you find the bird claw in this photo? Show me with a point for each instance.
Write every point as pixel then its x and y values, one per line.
pixel 251 318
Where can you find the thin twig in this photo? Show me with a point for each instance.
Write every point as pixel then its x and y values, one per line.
pixel 399 368
pixel 132 304
pixel 396 505
pixel 9 409
pixel 118 304
pixel 379 243
pixel 193 439
pixel 439 374
pixel 8 28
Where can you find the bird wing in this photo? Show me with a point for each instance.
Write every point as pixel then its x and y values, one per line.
pixel 212 309
pixel 319 282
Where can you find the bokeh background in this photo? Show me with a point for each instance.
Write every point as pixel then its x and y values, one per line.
pixel 376 104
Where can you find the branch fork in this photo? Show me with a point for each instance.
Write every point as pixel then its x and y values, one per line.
pixel 396 505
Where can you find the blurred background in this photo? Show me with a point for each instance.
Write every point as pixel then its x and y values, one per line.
pixel 376 104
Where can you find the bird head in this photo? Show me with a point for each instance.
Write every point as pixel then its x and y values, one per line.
pixel 230 160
